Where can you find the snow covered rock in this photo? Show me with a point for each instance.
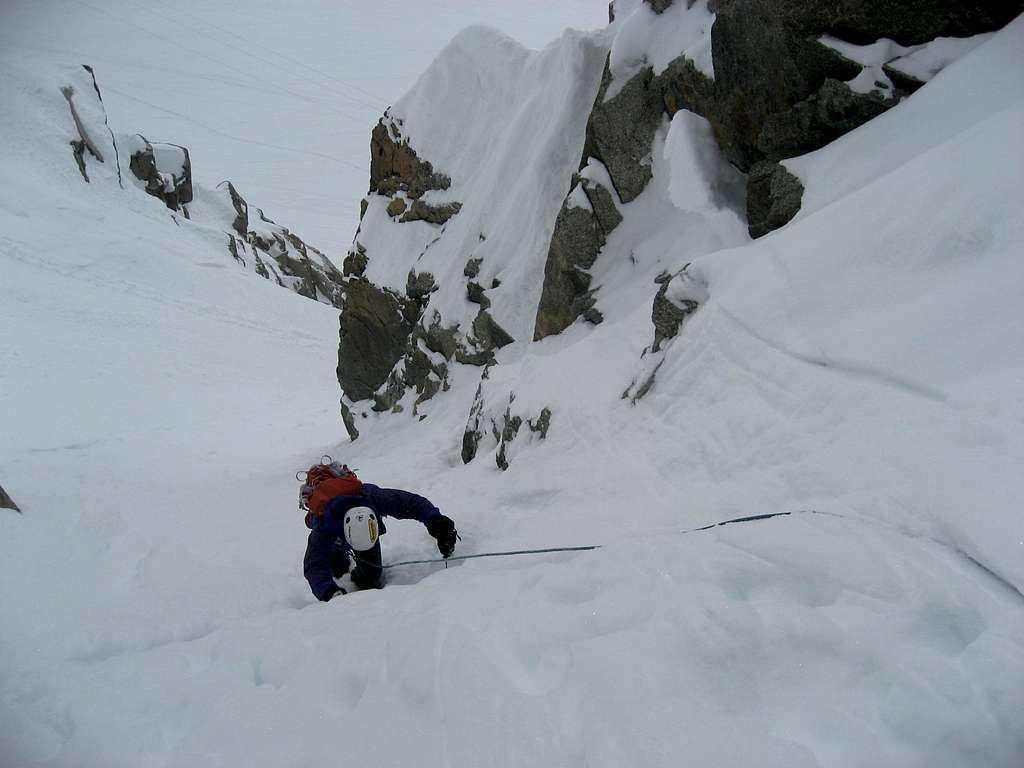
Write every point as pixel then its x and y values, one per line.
pixel 166 170
pixel 271 250
pixel 95 146
pixel 493 423
pixel 397 172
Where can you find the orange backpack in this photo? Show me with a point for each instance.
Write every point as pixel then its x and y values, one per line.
pixel 324 481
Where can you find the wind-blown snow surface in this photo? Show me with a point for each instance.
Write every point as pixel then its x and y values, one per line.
pixel 864 362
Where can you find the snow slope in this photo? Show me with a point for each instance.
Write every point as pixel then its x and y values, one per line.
pixel 860 368
pixel 279 100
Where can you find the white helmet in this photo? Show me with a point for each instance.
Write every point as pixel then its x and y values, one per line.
pixel 361 528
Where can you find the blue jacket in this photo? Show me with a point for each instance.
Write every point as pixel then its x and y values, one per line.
pixel 327 547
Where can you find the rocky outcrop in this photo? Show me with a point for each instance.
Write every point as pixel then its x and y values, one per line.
pixel 587 217
pixel 280 255
pixel 89 116
pixel 395 166
pixel 679 296
pixel 777 91
pixel 165 169
pixel 433 214
pixel 620 131
pixel 375 329
pixel 773 197
pixel 502 427
pixel 397 172
pixel 575 243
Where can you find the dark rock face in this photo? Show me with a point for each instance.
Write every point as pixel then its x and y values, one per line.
pixel 417 370
pixel 762 68
pixel 394 165
pixel 908 22
pixel 579 235
pixel 356 261
pixel 821 118
pixel 773 197
pixel 605 210
pixel 487 334
pixel 768 62
pixel 475 293
pixel 620 131
pixel 419 285
pixel 667 317
pixel 434 214
pixel 375 328
pixel 575 243
pixel 166 170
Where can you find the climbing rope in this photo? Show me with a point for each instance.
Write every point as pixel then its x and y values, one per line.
pixel 586 548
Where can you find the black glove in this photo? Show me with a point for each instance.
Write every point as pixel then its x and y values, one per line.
pixel 338 591
pixel 443 529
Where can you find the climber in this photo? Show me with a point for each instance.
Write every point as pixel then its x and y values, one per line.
pixel 345 518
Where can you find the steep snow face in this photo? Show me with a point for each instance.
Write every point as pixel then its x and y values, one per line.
pixel 860 368
pixel 507 125
pixel 142 371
